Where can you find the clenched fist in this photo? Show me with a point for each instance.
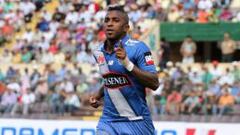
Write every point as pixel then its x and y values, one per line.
pixel 120 51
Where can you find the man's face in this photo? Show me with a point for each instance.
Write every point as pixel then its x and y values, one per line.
pixel 226 36
pixel 115 25
pixel 189 40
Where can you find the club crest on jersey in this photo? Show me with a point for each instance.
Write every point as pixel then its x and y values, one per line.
pixel 101 59
pixel 115 80
pixel 148 58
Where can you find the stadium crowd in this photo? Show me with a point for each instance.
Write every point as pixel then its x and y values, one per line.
pixel 66 36
pixel 201 11
pixel 54 91
pixel 204 89
pixel 70 34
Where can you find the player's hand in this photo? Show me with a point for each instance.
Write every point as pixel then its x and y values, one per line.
pixel 94 102
pixel 120 51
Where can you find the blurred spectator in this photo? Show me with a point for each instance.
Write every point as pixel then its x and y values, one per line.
pixel 28 8
pixel 26 55
pixel 226 101
pixel 235 91
pixel 226 78
pixel 10 73
pixel 174 102
pixel 43 25
pixel 41 90
pixel 72 102
pixel 25 80
pixel 223 3
pixel 173 15
pixel 188 49
pixel 14 85
pixel 67 86
pixel 162 103
pixel 8 100
pixel 207 77
pixel 196 77
pixel 216 71
pixel 46 57
pixel 190 104
pixel 202 16
pixel 52 79
pixel 228 47
pixel 58 16
pixel 16 57
pixel 163 52
pixel 214 88
pixel 6 56
pixel 28 35
pixel 2 76
pixel 236 72
pixel 226 15
pixel 205 5
pixel 7 30
pixel 34 78
pixel 46 15
pixel 25 103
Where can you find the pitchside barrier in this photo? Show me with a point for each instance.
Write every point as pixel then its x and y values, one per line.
pixel 74 127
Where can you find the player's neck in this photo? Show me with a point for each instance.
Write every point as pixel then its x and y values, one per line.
pixel 111 42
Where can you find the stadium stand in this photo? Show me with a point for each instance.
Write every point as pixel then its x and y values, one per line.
pixel 47 68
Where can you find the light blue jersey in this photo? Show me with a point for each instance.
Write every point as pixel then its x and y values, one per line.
pixel 124 95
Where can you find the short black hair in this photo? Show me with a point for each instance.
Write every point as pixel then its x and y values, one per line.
pixel 119 8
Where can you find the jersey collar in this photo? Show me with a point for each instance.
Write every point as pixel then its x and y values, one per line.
pixel 124 41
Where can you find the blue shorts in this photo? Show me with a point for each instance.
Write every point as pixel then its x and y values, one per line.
pixel 142 127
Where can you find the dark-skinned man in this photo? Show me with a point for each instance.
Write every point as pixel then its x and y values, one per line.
pixel 127 68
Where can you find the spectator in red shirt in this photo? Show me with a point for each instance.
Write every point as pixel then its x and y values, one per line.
pixel 202 16
pixel 53 47
pixel 7 30
pixel 173 102
pixel 226 15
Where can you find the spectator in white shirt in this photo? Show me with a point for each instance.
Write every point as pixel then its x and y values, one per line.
pixel 205 5
pixel 26 103
pixel 27 7
pixel 8 100
pixel 44 44
pixel 46 15
pixel 85 14
pixel 72 102
pixel 14 85
pixel 226 78
pixel 28 35
pixel 67 86
pixel 25 80
pixel 6 56
pixel 71 16
pixel 54 25
pixel 47 57
pixel 216 71
pixel 48 35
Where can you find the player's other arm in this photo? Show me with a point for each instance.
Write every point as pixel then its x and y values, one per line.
pixel 147 78
pixel 95 99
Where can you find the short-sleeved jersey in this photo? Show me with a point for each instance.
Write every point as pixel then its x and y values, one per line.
pixel 124 95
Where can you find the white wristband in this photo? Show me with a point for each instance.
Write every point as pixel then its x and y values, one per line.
pixel 127 64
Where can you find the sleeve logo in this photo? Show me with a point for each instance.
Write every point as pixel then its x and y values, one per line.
pixel 100 59
pixel 148 58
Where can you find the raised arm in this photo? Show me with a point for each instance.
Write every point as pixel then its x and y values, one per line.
pixel 147 78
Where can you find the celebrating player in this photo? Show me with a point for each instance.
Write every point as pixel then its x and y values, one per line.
pixel 127 68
